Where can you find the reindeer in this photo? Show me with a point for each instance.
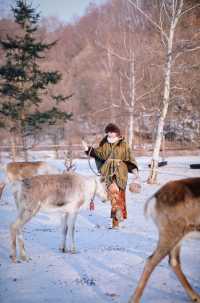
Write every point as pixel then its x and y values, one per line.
pixel 21 170
pixel 175 209
pixel 65 193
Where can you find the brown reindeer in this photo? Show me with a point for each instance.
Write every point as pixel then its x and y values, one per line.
pixel 20 170
pixel 175 209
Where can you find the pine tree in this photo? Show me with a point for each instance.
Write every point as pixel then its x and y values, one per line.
pixel 22 82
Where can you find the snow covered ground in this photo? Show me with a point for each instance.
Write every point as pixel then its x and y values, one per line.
pixel 108 263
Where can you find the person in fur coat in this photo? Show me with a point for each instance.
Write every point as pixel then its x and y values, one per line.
pixel 114 160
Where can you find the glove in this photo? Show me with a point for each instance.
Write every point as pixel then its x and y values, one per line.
pixel 135 172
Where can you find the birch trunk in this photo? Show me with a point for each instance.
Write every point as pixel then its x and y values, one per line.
pixel 132 101
pixel 167 77
pixel 13 148
pixel 24 148
pixel 110 68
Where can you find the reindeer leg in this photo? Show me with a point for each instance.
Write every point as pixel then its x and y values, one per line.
pixel 13 235
pixel 24 216
pixel 174 261
pixel 150 265
pixel 62 246
pixel 22 253
pixel 71 229
pixel 163 248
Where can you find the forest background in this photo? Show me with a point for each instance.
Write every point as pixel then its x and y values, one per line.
pixel 112 61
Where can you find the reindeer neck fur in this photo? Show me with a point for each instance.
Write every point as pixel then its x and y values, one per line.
pixel 91 184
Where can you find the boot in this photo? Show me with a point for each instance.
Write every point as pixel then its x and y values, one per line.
pixel 119 215
pixel 115 223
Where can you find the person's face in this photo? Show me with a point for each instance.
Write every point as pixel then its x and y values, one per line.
pixel 112 135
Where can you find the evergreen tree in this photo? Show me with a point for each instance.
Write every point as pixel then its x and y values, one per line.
pixel 23 84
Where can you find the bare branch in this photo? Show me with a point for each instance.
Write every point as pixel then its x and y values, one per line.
pixel 178 88
pixel 104 109
pixel 184 51
pixel 125 75
pixel 141 79
pixel 189 9
pixel 192 49
pixel 161 22
pixel 149 92
pixel 149 19
pixel 111 51
pixel 178 14
pixel 166 12
pixel 122 93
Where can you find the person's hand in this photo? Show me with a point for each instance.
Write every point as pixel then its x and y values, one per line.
pixel 84 144
pixel 135 173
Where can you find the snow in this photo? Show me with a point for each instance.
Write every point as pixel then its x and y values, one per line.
pixel 108 263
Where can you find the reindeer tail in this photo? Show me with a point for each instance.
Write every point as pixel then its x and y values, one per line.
pixel 149 208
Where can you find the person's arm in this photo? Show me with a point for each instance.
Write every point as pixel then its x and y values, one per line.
pixel 130 161
pixel 91 151
pixel 94 153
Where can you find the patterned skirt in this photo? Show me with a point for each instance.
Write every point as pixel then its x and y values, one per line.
pixel 118 202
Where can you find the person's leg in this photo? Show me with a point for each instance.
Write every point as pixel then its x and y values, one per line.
pixel 122 203
pixel 118 205
pixel 115 223
pixel 113 193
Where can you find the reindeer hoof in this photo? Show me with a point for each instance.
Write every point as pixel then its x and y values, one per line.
pixel 196 299
pixel 13 258
pixel 63 250
pixel 25 258
pixel 73 251
pixel 133 300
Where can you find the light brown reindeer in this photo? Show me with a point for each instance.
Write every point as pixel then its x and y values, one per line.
pixel 65 193
pixel 20 170
pixel 175 209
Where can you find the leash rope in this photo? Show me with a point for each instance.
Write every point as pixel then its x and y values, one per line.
pixel 93 196
pixel 89 162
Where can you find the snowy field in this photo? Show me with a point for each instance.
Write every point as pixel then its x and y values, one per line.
pixel 108 263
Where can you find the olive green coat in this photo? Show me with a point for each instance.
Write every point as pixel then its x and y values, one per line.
pixel 114 161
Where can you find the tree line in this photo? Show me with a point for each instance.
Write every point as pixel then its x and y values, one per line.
pixel 132 62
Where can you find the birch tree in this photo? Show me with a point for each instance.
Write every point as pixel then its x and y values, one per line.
pixel 170 11
pixel 123 53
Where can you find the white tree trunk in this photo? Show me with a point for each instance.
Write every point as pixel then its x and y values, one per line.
pixel 167 77
pixel 13 147
pixel 24 147
pixel 132 101
pixel 110 83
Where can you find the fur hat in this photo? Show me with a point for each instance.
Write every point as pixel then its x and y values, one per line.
pixel 112 128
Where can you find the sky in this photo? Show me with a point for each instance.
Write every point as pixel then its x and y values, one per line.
pixel 65 10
